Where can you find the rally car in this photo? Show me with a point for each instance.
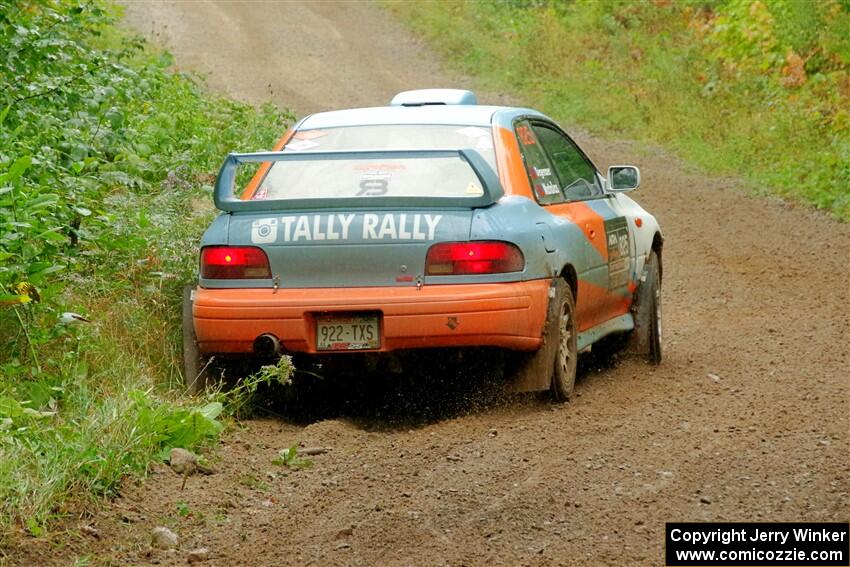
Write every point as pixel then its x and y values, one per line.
pixel 432 222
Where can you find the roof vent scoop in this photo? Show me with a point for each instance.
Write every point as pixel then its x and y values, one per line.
pixel 426 97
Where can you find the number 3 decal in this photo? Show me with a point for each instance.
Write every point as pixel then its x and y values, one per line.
pixel 525 136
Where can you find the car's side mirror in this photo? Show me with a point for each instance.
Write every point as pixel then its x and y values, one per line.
pixel 623 178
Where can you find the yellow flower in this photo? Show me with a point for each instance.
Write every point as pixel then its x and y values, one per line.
pixel 27 291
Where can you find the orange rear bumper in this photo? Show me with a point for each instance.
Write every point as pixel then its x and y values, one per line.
pixel 509 315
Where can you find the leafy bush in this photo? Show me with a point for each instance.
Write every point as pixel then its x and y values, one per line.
pixel 106 165
pixel 755 87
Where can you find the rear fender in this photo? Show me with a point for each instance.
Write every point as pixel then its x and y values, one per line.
pixel 218 232
pixel 548 242
pixel 535 369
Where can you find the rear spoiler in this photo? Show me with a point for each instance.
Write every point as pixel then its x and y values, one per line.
pixel 227 201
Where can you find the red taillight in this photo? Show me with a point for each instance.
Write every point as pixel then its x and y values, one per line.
pixel 458 258
pixel 234 263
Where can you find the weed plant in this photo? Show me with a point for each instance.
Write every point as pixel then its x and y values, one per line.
pixel 106 163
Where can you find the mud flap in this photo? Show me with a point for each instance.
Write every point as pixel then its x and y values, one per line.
pixel 639 338
pixel 193 363
pixel 533 371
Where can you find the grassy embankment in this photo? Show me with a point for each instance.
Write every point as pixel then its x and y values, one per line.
pixel 106 165
pixel 755 88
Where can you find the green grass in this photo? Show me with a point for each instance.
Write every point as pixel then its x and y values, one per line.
pixel 106 165
pixel 757 89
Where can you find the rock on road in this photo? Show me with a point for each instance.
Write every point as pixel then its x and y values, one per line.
pixel 746 419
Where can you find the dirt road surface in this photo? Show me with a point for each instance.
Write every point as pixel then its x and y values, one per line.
pixel 746 419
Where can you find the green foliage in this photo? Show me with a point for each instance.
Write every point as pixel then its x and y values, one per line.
pixel 106 165
pixel 93 451
pixel 170 426
pixel 183 509
pixel 240 399
pixel 757 88
pixel 289 458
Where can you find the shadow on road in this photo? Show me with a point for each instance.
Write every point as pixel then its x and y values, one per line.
pixel 412 390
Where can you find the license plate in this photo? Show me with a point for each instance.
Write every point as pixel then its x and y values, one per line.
pixel 347 332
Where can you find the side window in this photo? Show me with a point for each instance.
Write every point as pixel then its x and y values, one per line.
pixel 577 175
pixel 544 182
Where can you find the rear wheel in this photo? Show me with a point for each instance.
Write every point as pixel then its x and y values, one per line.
pixel 195 371
pixel 646 337
pixel 564 376
pixel 553 366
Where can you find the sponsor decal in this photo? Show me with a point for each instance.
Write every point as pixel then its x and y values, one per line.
pixel 264 231
pixel 341 227
pixel 383 167
pixel 374 183
pixel 619 252
pixel 301 145
pixel 473 189
pixel 472 132
pixel 261 193
pixel 309 134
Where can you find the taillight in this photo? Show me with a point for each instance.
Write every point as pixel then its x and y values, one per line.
pixel 458 258
pixel 234 263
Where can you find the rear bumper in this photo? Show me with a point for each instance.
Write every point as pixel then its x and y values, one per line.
pixel 509 315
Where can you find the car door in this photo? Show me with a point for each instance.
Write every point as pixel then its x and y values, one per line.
pixel 604 290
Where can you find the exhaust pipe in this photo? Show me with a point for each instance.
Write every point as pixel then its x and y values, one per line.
pixel 267 345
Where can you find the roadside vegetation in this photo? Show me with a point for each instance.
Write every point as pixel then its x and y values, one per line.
pixel 107 158
pixel 758 88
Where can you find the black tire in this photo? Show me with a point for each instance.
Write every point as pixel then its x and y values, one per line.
pixel 195 372
pixel 552 367
pixel 566 354
pixel 647 336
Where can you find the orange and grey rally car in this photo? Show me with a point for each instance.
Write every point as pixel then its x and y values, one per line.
pixel 431 222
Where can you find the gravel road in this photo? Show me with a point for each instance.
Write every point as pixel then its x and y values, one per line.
pixel 746 419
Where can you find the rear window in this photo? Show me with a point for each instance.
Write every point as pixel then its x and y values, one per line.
pixel 416 176
pixel 396 177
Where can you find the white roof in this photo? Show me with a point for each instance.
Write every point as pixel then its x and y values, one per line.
pixel 465 115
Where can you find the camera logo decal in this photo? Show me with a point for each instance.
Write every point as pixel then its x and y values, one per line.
pixel 264 231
